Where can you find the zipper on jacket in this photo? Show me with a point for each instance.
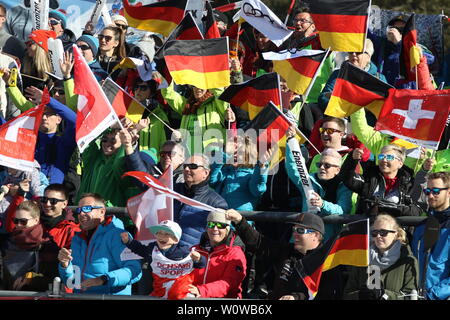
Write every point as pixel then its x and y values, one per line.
pixel 85 255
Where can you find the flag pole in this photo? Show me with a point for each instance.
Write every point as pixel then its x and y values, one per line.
pixel 289 12
pixel 308 90
pixel 135 100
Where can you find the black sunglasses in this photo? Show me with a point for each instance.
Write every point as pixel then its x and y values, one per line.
pixel 107 38
pixel 54 22
pixel 326 165
pixel 84 47
pixel 122 26
pixel 167 153
pixel 192 166
pixel 434 191
pixel 22 222
pixel 53 201
pixel 381 232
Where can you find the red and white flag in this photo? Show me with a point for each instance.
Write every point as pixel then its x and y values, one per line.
pixel 161 188
pixel 19 135
pixel 18 139
pixel 95 113
pixel 417 116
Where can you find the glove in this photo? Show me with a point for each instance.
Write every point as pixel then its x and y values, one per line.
pixel 370 294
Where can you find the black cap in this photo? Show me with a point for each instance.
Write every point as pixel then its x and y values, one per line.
pixel 310 221
pixel 399 18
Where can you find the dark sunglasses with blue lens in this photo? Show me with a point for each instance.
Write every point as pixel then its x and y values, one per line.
pixel 434 191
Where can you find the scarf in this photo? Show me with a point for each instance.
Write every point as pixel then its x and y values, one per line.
pixel 193 104
pixel 330 187
pixel 51 222
pixel 30 238
pixel 387 259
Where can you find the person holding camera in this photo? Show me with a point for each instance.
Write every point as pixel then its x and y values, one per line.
pixel 385 187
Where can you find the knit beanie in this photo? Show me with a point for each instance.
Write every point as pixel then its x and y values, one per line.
pixel 91 41
pixel 56 14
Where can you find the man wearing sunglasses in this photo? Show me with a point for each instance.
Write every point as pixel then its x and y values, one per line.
pixel 437 281
pixel 307 234
pixel 385 187
pixel 196 171
pixel 57 21
pixel 95 251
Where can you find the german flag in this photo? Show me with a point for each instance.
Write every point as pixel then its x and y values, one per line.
pixel 271 126
pixel 299 72
pixel 201 63
pixel 270 123
pixel 356 89
pixel 160 17
pixel 342 24
pixel 253 95
pixel 410 53
pixel 122 102
pixel 186 30
pixel 350 247
pixel 211 29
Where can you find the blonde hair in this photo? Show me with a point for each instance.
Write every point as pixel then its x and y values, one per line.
pixel 401 234
pixel 31 207
pixel 38 64
pixel 400 151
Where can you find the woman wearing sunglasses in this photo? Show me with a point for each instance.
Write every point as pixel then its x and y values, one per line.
pixel 385 187
pixel 112 49
pixel 22 263
pixel 330 193
pixel 391 258
pixel 226 263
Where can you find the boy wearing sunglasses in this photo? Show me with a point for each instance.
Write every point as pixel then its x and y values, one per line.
pixel 437 280
pixel 171 262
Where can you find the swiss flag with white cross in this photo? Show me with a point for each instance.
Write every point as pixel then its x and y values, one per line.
pixel 18 139
pixel 417 116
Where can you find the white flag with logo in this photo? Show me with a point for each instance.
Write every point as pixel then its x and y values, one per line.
pixel 265 21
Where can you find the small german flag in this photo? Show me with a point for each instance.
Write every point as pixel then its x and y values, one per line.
pixel 356 89
pixel 201 63
pixel 186 30
pixel 211 29
pixel 160 17
pixel 342 24
pixel 410 53
pixel 299 72
pixel 122 102
pixel 350 247
pixel 270 124
pixel 253 95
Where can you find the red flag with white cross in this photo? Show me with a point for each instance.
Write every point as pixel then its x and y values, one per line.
pixel 417 116
pixel 18 139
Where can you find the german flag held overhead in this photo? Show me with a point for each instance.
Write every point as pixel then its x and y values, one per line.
pixel 299 72
pixel 356 89
pixel 201 63
pixel 124 105
pixel 410 53
pixel 342 24
pixel 253 95
pixel 211 28
pixel 350 247
pixel 160 17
